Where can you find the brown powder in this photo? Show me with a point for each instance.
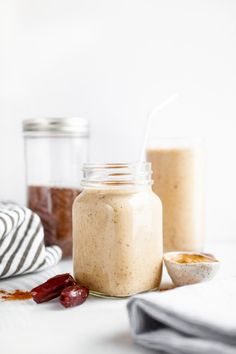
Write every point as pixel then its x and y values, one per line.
pixel 54 207
pixel 15 295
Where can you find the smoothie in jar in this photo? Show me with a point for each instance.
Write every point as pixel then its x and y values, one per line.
pixel 117 231
pixel 178 173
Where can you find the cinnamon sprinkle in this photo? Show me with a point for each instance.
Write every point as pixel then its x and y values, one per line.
pixel 14 295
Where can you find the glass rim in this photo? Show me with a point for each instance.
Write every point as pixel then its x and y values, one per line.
pixel 111 165
pixel 176 141
pixel 116 175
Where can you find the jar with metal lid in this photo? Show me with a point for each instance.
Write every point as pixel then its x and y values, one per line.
pixel 117 230
pixel 55 149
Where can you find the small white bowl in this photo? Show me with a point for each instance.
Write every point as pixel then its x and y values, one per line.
pixel 192 272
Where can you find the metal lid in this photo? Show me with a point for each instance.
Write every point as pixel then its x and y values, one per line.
pixel 62 126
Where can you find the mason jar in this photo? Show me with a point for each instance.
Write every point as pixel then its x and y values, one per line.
pixel 117 230
pixel 178 173
pixel 55 150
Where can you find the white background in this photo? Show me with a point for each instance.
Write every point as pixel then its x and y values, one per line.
pixel 112 61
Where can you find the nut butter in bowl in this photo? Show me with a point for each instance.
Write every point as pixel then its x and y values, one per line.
pixel 117 230
pixel 187 268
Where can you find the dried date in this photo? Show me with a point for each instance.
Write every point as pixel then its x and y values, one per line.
pixel 74 295
pixel 52 288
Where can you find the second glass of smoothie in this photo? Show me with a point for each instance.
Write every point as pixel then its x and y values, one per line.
pixel 178 174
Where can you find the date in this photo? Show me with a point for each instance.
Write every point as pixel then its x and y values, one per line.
pixel 74 295
pixel 52 288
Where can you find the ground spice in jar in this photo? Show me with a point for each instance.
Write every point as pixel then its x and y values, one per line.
pixel 54 207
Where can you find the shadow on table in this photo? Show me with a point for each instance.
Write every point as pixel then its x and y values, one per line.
pixel 124 343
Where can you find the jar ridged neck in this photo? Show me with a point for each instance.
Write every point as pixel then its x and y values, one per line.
pixel 116 175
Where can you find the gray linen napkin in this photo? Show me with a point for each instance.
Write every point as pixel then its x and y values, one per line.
pixel 22 248
pixel 193 319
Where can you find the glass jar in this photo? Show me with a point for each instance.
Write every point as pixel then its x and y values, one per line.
pixel 117 230
pixel 178 173
pixel 55 149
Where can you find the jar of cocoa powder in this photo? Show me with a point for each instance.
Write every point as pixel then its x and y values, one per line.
pixel 55 149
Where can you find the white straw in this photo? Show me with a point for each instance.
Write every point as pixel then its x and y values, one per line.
pixel 150 116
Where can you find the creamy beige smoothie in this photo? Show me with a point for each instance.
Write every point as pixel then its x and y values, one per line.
pixel 178 181
pixel 117 238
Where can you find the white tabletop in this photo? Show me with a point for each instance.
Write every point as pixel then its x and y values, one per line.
pixel 97 326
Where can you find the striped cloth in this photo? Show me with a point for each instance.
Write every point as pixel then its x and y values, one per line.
pixel 22 248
